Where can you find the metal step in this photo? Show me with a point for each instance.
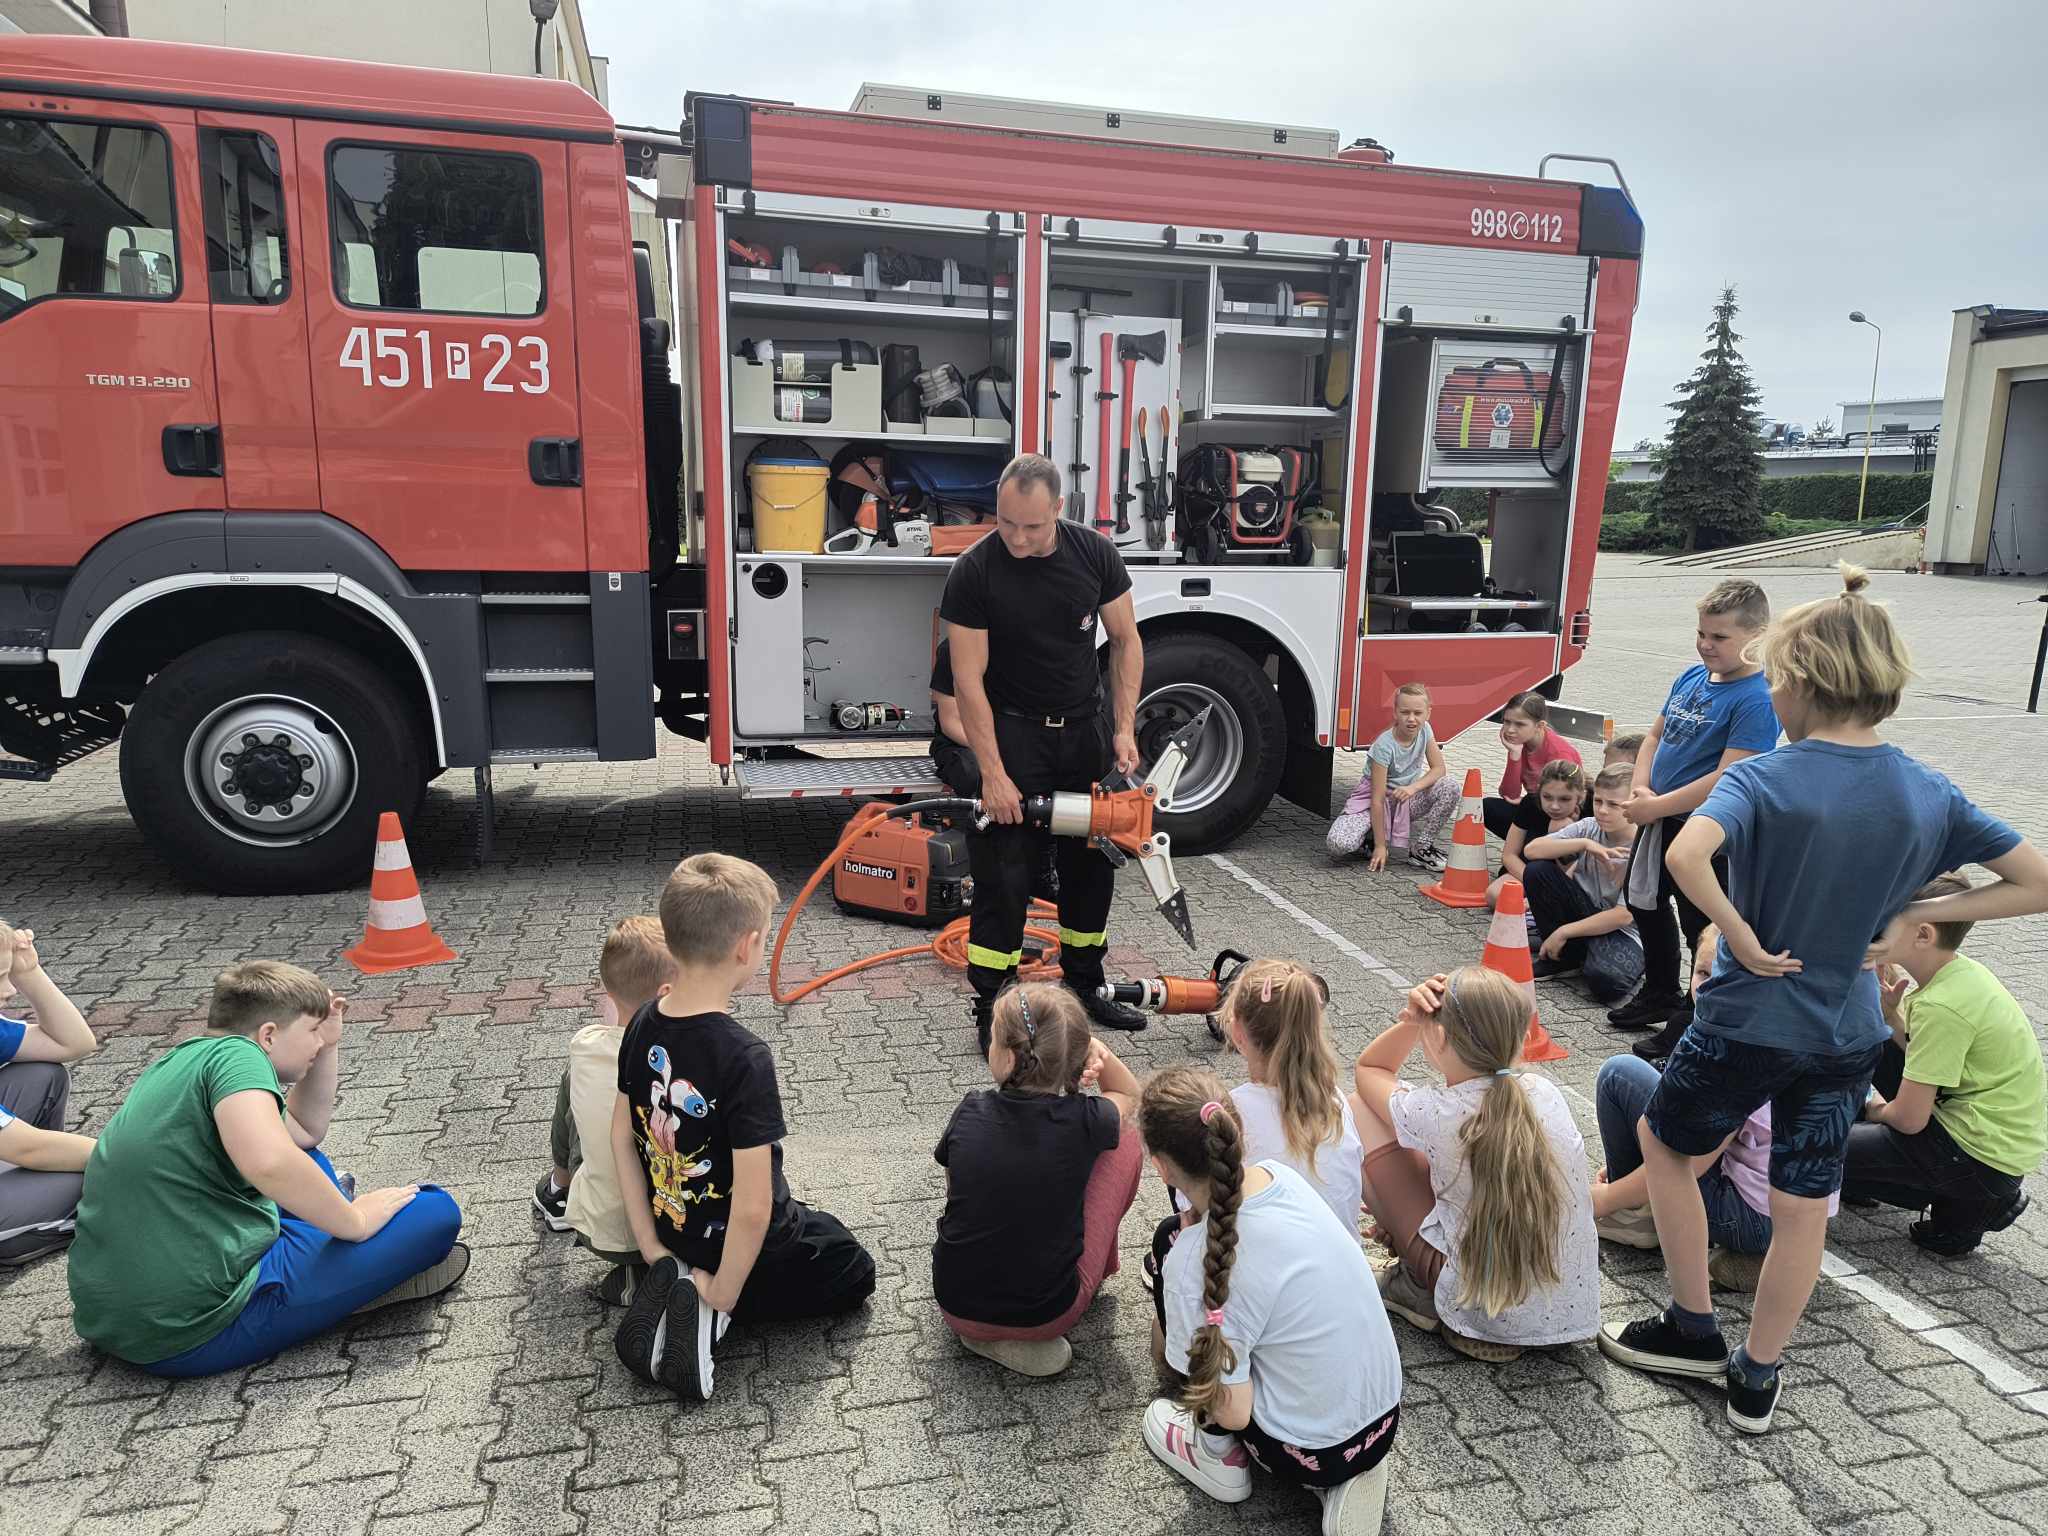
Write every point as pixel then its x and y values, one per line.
pixel 541 675
pixel 535 600
pixel 45 739
pixel 841 777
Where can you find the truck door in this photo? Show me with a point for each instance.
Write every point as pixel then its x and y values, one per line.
pixel 254 275
pixel 443 344
pixel 107 408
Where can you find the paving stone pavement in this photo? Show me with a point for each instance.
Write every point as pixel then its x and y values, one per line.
pixel 501 1406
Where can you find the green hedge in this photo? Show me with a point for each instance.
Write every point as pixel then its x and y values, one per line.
pixel 1791 504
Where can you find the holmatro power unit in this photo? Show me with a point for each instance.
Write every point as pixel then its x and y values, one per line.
pixel 906 872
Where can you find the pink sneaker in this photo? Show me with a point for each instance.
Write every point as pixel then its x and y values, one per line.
pixel 1170 1434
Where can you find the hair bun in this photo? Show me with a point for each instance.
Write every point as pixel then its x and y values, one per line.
pixel 1854 578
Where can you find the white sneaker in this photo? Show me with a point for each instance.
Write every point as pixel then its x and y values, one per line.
pixel 1632 1228
pixel 1356 1508
pixel 1170 1434
pixel 1430 857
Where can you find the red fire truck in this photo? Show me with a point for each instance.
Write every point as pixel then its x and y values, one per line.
pixel 340 444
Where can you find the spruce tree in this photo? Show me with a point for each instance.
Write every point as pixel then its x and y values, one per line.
pixel 1711 493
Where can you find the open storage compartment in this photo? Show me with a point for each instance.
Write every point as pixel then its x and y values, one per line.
pixel 1252 461
pixel 1472 413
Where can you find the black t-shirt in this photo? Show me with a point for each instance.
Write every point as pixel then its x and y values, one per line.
pixel 1531 818
pixel 1040 616
pixel 942 669
pixel 1010 1236
pixel 698 1087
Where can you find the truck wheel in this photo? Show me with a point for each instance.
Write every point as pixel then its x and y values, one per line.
pixel 1237 763
pixel 257 764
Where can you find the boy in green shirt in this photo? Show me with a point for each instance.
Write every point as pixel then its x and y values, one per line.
pixel 1963 1115
pixel 184 1263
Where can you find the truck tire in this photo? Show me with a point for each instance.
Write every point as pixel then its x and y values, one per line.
pixel 213 745
pixel 1237 763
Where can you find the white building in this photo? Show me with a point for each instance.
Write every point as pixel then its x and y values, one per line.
pixel 1989 513
pixel 1899 418
pixel 498 37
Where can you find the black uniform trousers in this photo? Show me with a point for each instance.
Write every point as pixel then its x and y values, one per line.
pixel 1041 759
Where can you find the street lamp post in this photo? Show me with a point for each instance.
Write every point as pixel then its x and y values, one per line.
pixel 1870 421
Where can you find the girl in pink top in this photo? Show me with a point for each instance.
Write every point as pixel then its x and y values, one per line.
pixel 1532 746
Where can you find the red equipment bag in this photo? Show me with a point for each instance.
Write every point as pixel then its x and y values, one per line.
pixel 1496 407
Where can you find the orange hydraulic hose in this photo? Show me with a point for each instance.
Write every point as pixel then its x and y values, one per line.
pixel 949 944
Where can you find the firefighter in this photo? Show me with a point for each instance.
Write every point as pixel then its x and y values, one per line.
pixel 1020 611
pixel 955 762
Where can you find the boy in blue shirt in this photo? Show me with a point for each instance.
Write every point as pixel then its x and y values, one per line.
pixel 1717 714
pixel 1791 1014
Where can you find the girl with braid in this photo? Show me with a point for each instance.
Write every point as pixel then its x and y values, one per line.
pixel 1480 1185
pixel 1039 1174
pixel 1267 1309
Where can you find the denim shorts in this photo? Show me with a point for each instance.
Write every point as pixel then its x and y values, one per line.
pixel 1715 1082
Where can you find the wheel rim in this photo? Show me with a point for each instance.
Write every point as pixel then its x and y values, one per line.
pixel 1218 755
pixel 270 771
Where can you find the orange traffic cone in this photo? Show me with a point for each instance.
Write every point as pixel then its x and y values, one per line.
pixel 1507 951
pixel 398 935
pixel 1464 880
pixel 1473 801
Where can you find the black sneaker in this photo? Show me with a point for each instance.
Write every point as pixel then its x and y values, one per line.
pixel 1654 1344
pixel 1665 1041
pixel 1543 968
pixel 1646 1010
pixel 616 1288
pixel 1952 1242
pixel 692 1327
pixel 553 1204
pixel 643 1331
pixel 1106 1013
pixel 1750 1408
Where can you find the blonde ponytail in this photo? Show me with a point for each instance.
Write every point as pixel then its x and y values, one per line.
pixel 1515 1222
pixel 1843 652
pixel 1279 1006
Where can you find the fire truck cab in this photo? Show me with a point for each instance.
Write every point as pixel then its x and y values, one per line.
pixel 339 444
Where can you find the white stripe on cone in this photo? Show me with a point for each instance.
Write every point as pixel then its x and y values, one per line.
pixel 407 912
pixel 1466 855
pixel 1507 931
pixel 392 855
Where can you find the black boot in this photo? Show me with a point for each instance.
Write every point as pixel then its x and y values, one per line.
pixel 1105 1013
pixel 984 1010
pixel 1646 1010
pixel 1665 1041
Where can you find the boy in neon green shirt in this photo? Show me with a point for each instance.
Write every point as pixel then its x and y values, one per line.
pixel 1960 1113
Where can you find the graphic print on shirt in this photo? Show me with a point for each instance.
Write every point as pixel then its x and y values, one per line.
pixel 673 1102
pixel 1685 718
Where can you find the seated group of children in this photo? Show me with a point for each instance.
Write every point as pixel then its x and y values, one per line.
pixel 212 1233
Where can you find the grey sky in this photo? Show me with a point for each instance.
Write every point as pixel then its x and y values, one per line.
pixel 1821 155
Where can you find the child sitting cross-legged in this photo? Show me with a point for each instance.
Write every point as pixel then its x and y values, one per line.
pixel 42 1165
pixel 1533 746
pixel 1958 1116
pixel 1405 800
pixel 697 1140
pixel 1267 1308
pixel 1039 1174
pixel 581 1192
pixel 1479 1185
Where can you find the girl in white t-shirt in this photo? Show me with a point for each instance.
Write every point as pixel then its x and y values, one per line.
pixel 1266 1306
pixel 1291 1109
pixel 1479 1185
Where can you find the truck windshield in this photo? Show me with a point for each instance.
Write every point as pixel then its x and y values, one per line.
pixel 85 209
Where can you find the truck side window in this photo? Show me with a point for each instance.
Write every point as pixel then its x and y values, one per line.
pixel 86 209
pixel 247 259
pixel 430 229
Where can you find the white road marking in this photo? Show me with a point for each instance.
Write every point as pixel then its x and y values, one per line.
pixel 1316 926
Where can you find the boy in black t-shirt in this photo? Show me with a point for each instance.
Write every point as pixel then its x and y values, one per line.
pixel 697 1135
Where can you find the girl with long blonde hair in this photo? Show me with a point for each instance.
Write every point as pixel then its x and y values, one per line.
pixel 1267 1309
pixel 1480 1185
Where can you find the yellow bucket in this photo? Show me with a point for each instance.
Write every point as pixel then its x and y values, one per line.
pixel 789 505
